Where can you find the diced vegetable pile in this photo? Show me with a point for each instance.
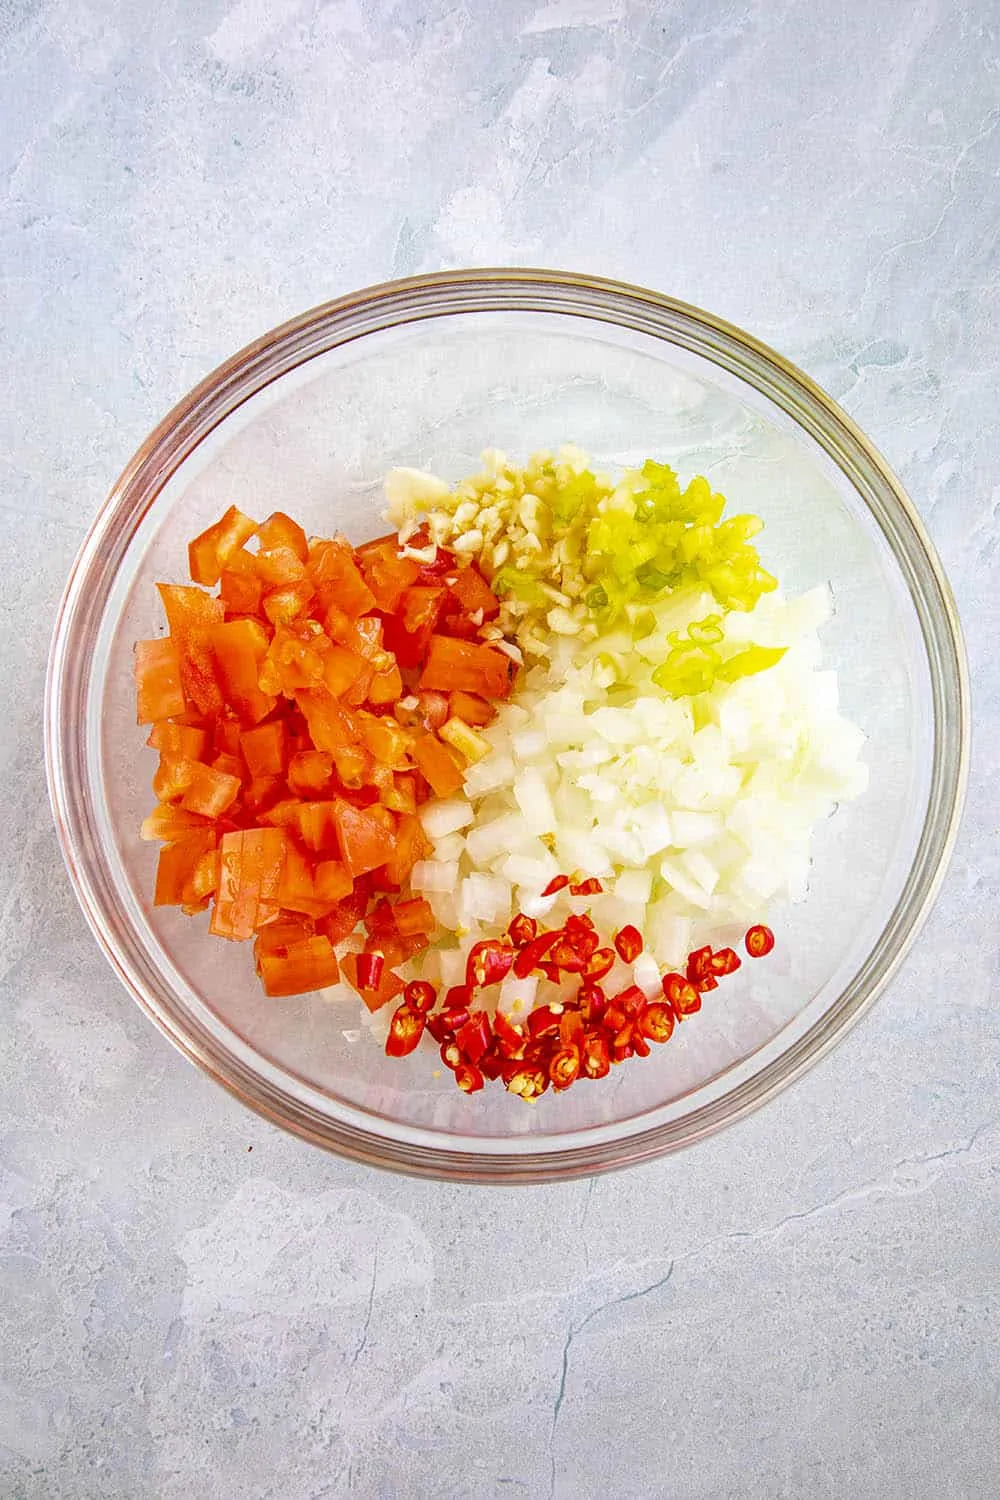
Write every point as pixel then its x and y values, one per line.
pixel 525 766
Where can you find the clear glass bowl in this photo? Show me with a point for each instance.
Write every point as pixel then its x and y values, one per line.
pixel 427 372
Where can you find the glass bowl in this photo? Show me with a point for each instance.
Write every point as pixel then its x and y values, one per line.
pixel 427 372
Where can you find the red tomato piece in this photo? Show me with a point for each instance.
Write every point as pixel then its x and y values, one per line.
pixel 280 530
pixel 157 668
pixel 238 651
pixel 473 593
pixel 386 573
pixel 365 840
pixel 456 664
pixel 438 764
pixel 177 865
pixel 337 578
pixel 304 966
pixel 192 615
pixel 209 552
pixel 265 749
pixel 249 875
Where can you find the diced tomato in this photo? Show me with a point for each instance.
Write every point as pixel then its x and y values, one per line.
pixel 285 604
pixel 178 862
pixel 209 791
pixel 171 778
pixel 250 872
pixel 280 530
pixel 294 660
pixel 191 615
pixel 180 740
pixel 471 709
pixel 283 933
pixel 474 593
pixel 238 649
pixel 408 630
pixel 341 669
pixel 209 552
pixel 169 823
pixel 241 587
pixel 366 840
pixel 317 823
pixel 388 742
pixel 226 736
pixel 341 922
pixel 438 764
pixel 385 687
pixel 386 573
pixel 157 667
pixel 353 765
pixel 302 967
pixel 454 665
pixel 331 881
pixel 337 578
pixel 411 845
pixel 396 790
pixel 310 773
pixel 389 986
pixel 265 749
pixel 280 567
pixel 261 793
pixel 284 814
pixel 413 916
pixel 331 725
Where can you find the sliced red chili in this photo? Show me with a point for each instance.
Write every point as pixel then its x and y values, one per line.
pixel 469 1078
pixel 639 1044
pixel 420 995
pixel 699 964
pixel 564 1067
pixel 600 962
pixel 566 955
pixel 596 1060
pixel 657 1023
pixel 370 966
pixel 451 1054
pixel 543 1021
pixel 455 1016
pixel 491 1064
pixel 592 1001
pixel 579 923
pixel 759 941
pixel 405 1030
pixel 621 1044
pixel 725 961
pixel 510 1038
pixel 459 995
pixel 528 1082
pixel 552 972
pixel 632 1001
pixel 682 995
pixel 437 1027
pixel 629 943
pixel 557 883
pixel 475 1036
pixel 589 887
pixel 531 956
pixel 614 1018
pixel 488 963
pixel 571 1027
pixel 522 930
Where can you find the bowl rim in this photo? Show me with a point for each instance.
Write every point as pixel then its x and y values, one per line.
pixel 511 289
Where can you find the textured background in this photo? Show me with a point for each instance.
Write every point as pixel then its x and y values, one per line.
pixel 805 1306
